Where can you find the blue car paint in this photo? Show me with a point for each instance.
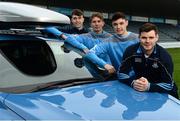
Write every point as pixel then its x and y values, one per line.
pixel 33 107
pixel 109 100
pixel 2 97
pixel 5 113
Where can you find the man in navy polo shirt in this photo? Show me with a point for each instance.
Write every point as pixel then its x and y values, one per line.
pixel 148 65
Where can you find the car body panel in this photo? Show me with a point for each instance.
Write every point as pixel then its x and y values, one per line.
pixel 39 109
pixel 109 100
pixel 6 113
pixel 66 70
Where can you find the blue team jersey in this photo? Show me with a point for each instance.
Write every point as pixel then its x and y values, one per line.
pixel 113 50
pixel 88 40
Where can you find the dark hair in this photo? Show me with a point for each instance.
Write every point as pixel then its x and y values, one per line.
pixel 77 12
pixel 118 15
pixel 148 27
pixel 97 14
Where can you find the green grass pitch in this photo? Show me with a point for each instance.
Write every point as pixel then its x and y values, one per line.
pixel 175 53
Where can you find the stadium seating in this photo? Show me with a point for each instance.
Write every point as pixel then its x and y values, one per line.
pixel 167 32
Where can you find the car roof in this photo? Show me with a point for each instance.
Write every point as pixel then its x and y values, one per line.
pixel 18 12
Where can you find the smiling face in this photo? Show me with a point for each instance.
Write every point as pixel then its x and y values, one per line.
pixel 120 26
pixel 77 21
pixel 148 40
pixel 97 24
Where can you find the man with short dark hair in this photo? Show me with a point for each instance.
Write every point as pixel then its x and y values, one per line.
pixel 77 23
pixel 149 66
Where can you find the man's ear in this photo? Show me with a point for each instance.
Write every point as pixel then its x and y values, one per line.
pixel 157 37
pixel 83 19
pixel 127 22
pixel 103 23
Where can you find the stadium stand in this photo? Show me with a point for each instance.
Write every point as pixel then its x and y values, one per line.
pixel 167 32
pixel 165 40
pixel 170 30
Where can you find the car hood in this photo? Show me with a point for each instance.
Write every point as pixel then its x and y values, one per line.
pixel 6 114
pixel 109 100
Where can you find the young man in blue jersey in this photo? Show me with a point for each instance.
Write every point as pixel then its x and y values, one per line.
pixel 114 48
pixel 148 66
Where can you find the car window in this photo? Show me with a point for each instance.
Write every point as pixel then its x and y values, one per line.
pixel 29 56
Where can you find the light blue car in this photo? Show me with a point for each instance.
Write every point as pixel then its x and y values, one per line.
pixel 43 79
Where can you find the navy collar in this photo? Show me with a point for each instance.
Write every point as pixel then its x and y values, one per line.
pixel 140 50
